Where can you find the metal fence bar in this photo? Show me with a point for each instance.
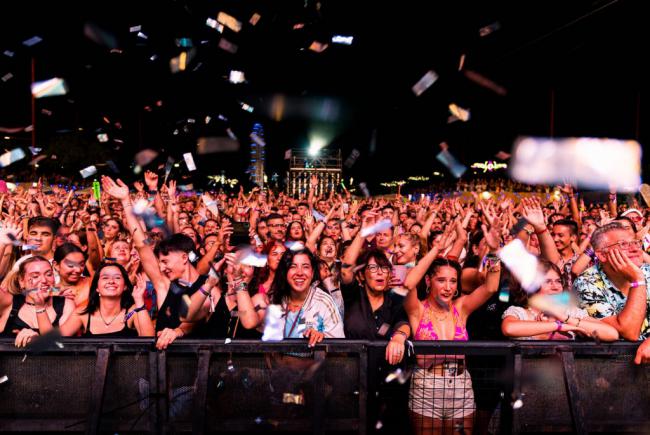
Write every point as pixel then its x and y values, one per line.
pixel 573 393
pixel 318 382
pixel 163 393
pixel 154 393
pixel 201 396
pixel 363 392
pixel 97 392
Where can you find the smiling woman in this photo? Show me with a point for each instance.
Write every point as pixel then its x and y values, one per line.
pixel 308 310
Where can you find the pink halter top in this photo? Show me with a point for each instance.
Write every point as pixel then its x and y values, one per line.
pixel 425 329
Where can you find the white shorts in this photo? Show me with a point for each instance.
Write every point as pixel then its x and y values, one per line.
pixel 441 396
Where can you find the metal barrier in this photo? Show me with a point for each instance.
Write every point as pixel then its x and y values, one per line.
pixel 203 386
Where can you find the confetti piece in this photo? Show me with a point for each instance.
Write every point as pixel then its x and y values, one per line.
pixel 344 40
pixel 459 112
pixel 4 379
pixel 12 156
pixel 211 22
pixel 144 157
pixel 32 41
pixel 481 80
pixel 236 77
pixel 7 77
pixel 425 82
pixel 254 19
pixel 87 172
pixel 228 46
pixel 490 28
pixel 273 326
pixel 523 265
pixel 455 167
pixel 49 88
pixel 229 21
pixel 134 29
pixel 318 47
pixel 593 163
pixel 189 161
pixel 102 137
pixel 382 225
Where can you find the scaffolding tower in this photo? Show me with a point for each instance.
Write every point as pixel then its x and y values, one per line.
pixel 327 166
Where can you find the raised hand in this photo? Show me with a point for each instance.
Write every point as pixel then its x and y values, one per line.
pixel 139 290
pixel 532 212
pixel 151 180
pixel 117 190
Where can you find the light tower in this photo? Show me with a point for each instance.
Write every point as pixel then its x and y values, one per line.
pixel 256 168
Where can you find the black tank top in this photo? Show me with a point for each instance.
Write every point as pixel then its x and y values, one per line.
pixel 125 332
pixel 169 313
pixel 14 322
pixel 224 323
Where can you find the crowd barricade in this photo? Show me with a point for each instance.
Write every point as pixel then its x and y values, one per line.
pixel 199 386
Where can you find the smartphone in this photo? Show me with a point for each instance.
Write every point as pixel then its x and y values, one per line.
pixel 239 234
pixel 399 272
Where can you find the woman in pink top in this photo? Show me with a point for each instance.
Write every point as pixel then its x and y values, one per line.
pixel 441 399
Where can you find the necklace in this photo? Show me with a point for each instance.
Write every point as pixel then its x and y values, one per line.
pixel 107 324
pixel 439 319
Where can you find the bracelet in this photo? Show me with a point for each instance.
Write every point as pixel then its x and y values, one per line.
pixel 40 311
pixel 636 284
pixel 135 310
pixel 397 331
pixel 559 325
pixel 541 232
pixel 241 287
pixel 204 291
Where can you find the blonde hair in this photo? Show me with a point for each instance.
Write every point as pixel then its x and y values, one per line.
pixel 13 277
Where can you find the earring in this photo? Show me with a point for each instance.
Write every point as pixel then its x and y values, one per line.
pixel 457 293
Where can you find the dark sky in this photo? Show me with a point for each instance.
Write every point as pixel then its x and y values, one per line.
pixel 569 68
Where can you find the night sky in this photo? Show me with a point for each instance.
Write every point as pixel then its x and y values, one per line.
pixel 569 68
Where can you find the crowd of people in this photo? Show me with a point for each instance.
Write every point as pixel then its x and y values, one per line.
pixel 150 261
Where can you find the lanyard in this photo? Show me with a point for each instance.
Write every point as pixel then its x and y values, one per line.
pixel 293 326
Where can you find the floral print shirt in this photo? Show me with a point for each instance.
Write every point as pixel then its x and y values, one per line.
pixel 600 297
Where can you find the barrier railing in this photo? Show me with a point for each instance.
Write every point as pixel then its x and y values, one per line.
pixel 200 386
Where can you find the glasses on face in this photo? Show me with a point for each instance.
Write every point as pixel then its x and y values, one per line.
pixel 626 245
pixel 374 268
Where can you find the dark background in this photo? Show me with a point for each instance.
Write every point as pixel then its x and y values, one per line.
pixel 570 68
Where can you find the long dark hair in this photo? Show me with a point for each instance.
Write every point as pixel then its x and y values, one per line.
pixel 93 297
pixel 280 288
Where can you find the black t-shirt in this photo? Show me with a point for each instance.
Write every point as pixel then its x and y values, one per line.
pixel 171 309
pixel 361 323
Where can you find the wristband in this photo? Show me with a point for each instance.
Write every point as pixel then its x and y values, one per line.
pixel 241 287
pixel 204 291
pixel 636 284
pixel 40 311
pixel 559 325
pixel 135 310
pixel 397 331
pixel 542 231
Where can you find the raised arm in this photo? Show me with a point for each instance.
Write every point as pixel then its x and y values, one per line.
pixel 149 261
pixel 532 212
